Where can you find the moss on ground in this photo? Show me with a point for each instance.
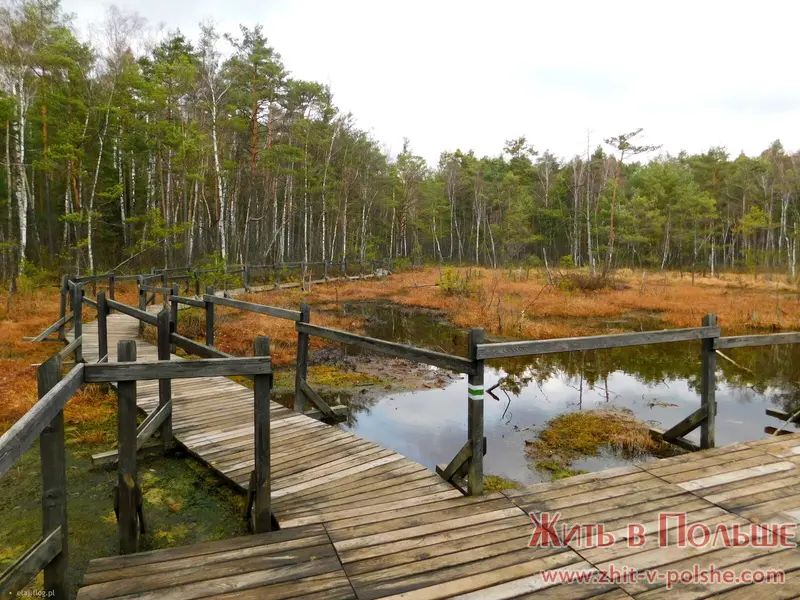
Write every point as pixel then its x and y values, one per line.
pixel 573 436
pixel 495 483
pixel 183 502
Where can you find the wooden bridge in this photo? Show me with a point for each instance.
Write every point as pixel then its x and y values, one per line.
pixel 361 521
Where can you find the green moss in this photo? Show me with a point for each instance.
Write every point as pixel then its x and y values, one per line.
pixel 495 483
pixel 183 504
pixel 331 377
pixel 573 436
pixel 557 470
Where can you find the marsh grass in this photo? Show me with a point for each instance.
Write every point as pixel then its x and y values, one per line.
pixel 576 435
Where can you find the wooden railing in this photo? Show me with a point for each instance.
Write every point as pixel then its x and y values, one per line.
pixel 45 421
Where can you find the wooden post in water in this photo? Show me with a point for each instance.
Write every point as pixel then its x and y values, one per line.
pixel 62 306
pixel 301 372
pixel 77 318
pixel 210 318
pixel 102 325
pixel 708 385
pixel 54 483
pixel 127 484
pixel 164 385
pixel 173 315
pixel 262 385
pixel 475 415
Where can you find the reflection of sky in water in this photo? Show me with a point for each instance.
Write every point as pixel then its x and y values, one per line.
pixel 429 426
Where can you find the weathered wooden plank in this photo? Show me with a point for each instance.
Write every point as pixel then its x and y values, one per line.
pixel 741 341
pixel 262 385
pixel 272 311
pixel 30 564
pixel 184 369
pixel 197 348
pixel 316 399
pixel 50 330
pixel 688 424
pixel 52 450
pixel 89 302
pixel 21 435
pixel 598 342
pixel 127 481
pixel 141 315
pixel 188 301
pixel 67 350
pixel 428 357
pixel 157 289
pixel 301 371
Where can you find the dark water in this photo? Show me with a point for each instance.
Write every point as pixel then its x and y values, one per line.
pixel 659 383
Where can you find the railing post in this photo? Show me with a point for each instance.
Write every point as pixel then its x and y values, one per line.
pixel 54 483
pixel 164 283
pixel 246 278
pixel 164 385
pixel 325 270
pixel 475 415
pixel 102 326
pixel 142 301
pixel 301 372
pixel 197 283
pixel 262 385
pixel 173 315
pixel 62 306
pixel 708 385
pixel 209 318
pixel 278 269
pixel 112 278
pixel 128 492
pixel 77 318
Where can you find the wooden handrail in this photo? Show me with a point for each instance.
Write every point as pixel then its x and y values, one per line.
pixel 272 311
pixel 176 369
pixel 142 315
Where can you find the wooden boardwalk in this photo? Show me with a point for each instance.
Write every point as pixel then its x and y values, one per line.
pixel 361 521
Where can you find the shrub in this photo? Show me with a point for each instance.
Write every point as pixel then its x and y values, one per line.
pixel 453 283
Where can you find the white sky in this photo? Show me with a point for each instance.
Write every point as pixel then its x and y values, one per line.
pixel 470 75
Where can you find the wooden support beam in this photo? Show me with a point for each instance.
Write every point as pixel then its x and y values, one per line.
pixel 316 399
pixel 475 415
pixel 102 324
pixel 687 425
pixel 183 369
pixel 455 465
pixel 52 449
pixel 272 311
pixel 127 483
pixel 681 442
pixel 428 357
pixel 598 342
pixel 301 371
pixel 262 518
pixel 741 341
pixel 209 316
pixel 708 385
pixel 165 385
pixel 16 577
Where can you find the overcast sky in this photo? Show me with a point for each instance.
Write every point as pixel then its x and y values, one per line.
pixel 470 75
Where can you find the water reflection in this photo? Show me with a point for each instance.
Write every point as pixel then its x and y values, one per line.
pixel 659 383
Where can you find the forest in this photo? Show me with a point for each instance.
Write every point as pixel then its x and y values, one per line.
pixel 143 148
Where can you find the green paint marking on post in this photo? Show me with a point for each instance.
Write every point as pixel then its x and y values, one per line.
pixel 476 391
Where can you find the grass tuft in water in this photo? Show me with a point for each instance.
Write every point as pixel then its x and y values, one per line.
pixel 572 436
pixel 495 483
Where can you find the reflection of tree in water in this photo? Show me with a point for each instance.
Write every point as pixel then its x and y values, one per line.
pixel 770 370
pixel 358 403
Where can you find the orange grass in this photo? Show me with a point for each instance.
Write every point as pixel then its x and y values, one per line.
pixel 26 314
pixel 534 309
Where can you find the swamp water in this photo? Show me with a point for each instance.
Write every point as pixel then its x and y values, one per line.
pixel 658 383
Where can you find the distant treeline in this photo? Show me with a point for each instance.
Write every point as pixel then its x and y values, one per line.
pixel 133 150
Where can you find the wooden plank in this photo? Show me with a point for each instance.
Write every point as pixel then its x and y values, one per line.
pixel 272 311
pixel 21 435
pixel 428 357
pixel 36 558
pixel 741 341
pixel 67 350
pixel 197 348
pixel 141 315
pixel 184 369
pixel 89 302
pixel 459 460
pixel 52 452
pixel 598 342
pixel 687 425
pixel 316 399
pixel 713 480
pixel 50 330
pixel 188 301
